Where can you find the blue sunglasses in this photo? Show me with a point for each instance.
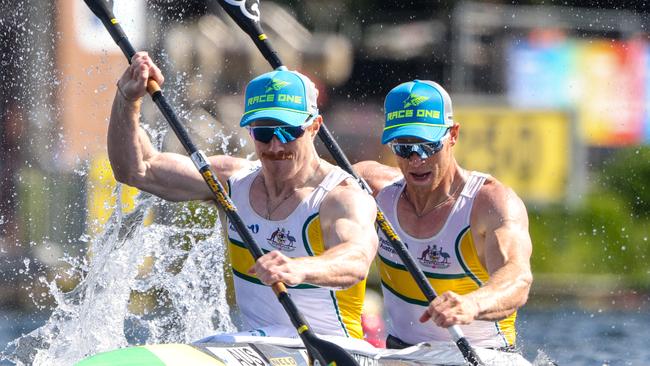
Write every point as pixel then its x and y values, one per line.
pixel 423 149
pixel 285 134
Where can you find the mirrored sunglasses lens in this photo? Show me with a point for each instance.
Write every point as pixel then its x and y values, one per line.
pixel 424 150
pixel 284 133
pixel 403 151
pixel 264 135
pixel 432 148
pixel 294 132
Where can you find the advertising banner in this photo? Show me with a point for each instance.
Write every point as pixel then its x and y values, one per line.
pixel 602 81
pixel 532 151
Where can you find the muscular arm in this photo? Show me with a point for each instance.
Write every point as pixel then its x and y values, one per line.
pixel 502 224
pixel 376 175
pixel 500 228
pixel 347 218
pixel 133 158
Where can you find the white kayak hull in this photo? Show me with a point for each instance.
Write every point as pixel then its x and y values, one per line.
pixel 276 351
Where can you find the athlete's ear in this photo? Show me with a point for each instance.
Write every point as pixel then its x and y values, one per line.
pixel 453 134
pixel 315 126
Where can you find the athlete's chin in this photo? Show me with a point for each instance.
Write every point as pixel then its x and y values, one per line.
pixel 281 168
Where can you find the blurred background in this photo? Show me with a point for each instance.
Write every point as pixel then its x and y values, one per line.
pixel 552 98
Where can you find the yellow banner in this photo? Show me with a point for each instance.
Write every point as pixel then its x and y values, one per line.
pixel 101 197
pixel 530 151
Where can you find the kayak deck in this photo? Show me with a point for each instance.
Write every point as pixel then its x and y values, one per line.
pixel 273 351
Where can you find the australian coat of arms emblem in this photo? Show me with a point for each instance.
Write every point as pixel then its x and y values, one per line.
pixel 434 257
pixel 282 239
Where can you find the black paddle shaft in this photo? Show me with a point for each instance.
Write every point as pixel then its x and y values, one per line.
pixel 105 14
pixel 249 23
pixel 320 351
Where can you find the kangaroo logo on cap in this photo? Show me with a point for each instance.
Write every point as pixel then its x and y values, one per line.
pixel 414 100
pixel 276 84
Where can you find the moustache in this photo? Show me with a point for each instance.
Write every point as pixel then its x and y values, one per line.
pixel 277 156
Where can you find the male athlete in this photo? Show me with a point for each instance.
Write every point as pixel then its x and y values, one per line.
pixel 467 231
pixel 316 224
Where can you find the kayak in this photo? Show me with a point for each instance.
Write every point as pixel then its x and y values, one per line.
pixel 277 351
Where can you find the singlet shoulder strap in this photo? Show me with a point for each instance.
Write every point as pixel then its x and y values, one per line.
pixel 392 188
pixel 474 184
pixel 333 179
pixel 238 177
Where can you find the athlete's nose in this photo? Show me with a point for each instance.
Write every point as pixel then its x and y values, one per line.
pixel 415 159
pixel 275 145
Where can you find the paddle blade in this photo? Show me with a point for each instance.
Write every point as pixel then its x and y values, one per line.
pixel 246 14
pixel 103 9
pixel 332 354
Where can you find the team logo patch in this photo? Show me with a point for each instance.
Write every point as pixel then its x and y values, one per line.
pixel 275 84
pixel 434 257
pixel 282 239
pixel 414 100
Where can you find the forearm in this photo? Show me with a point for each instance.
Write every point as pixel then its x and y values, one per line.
pixel 340 267
pixel 128 145
pixel 505 292
pixel 137 163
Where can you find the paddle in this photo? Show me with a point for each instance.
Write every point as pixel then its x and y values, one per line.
pixel 320 351
pixel 247 16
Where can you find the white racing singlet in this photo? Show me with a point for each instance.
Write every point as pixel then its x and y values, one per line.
pixel 328 311
pixel 450 263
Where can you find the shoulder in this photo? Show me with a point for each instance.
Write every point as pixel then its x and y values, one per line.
pixel 496 203
pixel 349 192
pixel 227 166
pixel 377 175
pixel 348 199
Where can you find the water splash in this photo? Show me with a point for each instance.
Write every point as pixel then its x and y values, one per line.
pixel 97 314
pixel 543 359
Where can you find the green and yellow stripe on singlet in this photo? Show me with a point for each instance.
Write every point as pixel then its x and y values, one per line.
pixel 399 281
pixel 349 302
pixel 242 260
pixel 396 279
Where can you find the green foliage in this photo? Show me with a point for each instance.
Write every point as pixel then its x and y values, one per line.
pixel 608 233
pixel 195 214
pixel 627 173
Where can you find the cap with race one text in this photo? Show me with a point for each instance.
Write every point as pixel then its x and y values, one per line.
pixel 420 109
pixel 288 97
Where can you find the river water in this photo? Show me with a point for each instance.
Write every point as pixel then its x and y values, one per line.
pixel 569 336
pixel 574 336
pixel 96 316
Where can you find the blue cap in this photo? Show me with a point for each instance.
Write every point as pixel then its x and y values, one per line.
pixel 420 109
pixel 282 95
